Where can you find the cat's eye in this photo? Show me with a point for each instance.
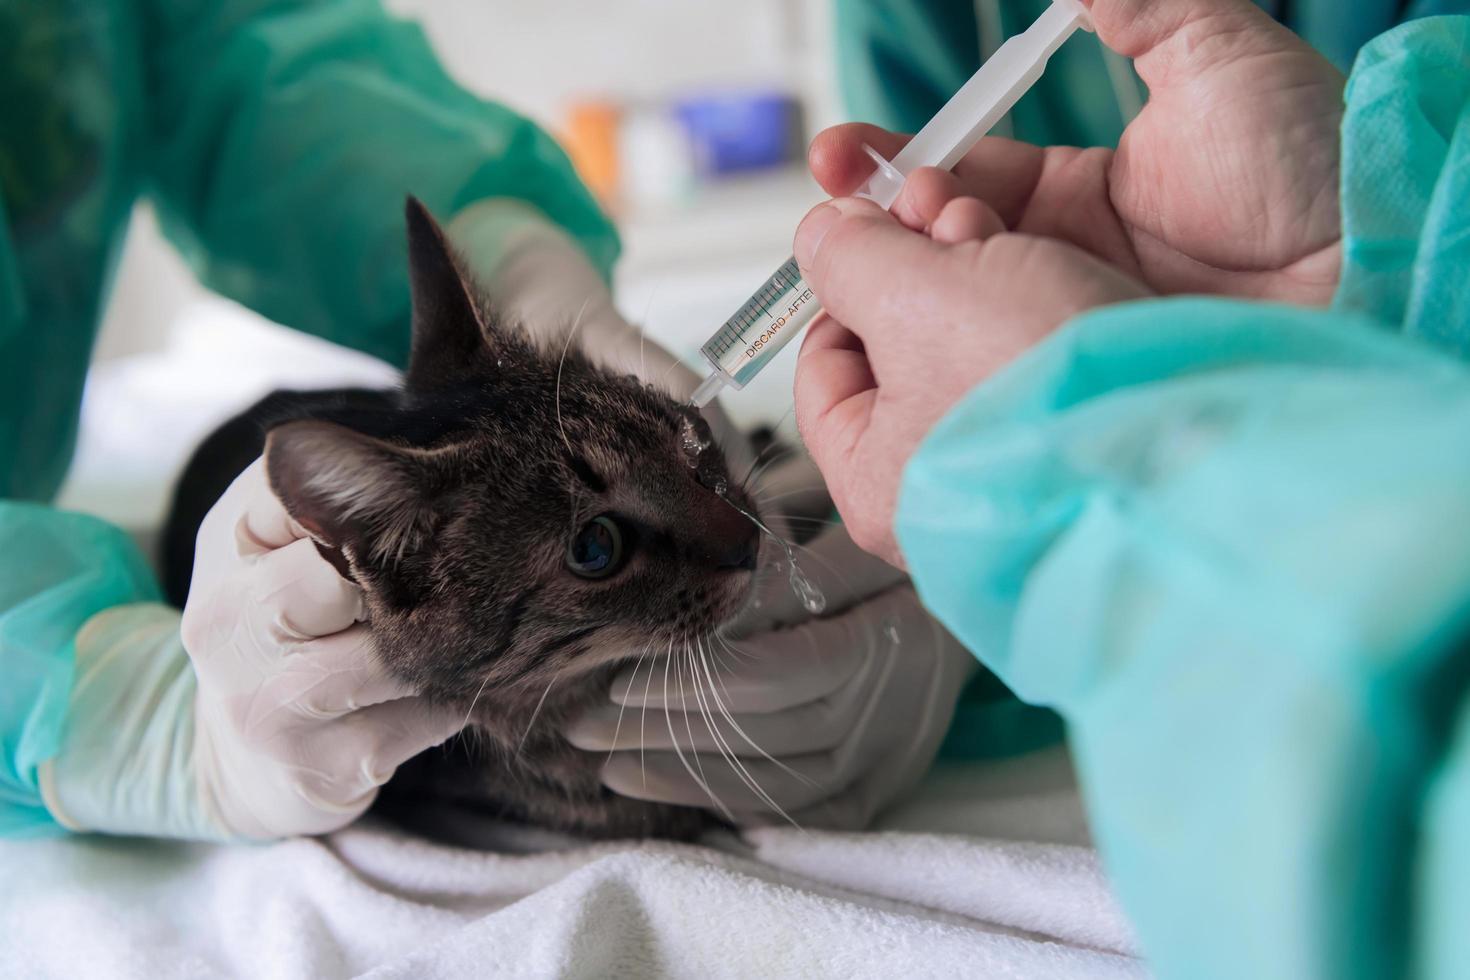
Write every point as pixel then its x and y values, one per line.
pixel 596 551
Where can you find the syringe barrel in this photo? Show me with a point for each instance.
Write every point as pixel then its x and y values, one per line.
pixel 785 303
pixel 766 323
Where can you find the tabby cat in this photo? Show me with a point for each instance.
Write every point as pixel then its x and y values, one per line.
pixel 523 523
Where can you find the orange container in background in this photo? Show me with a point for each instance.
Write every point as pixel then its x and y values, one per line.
pixel 591 140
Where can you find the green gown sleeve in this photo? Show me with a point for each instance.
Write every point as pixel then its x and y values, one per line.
pixel 60 569
pixel 285 135
pixel 282 138
pixel 1230 544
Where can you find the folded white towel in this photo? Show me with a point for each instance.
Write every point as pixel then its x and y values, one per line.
pixel 783 902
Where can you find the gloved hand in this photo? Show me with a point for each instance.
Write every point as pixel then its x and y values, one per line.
pixel 265 714
pixel 824 721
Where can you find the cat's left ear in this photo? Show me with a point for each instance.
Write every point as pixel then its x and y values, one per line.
pixel 450 332
pixel 360 495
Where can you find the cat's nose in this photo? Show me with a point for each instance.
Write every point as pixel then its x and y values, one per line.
pixel 741 556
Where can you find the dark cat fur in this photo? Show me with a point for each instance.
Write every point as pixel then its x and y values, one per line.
pixel 452 501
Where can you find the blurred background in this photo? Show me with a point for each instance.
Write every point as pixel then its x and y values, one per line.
pixel 689 120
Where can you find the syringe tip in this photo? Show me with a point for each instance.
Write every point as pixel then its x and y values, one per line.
pixel 707 390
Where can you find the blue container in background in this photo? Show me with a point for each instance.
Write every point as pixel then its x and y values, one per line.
pixel 737 132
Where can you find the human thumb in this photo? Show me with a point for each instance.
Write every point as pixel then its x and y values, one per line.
pixel 870 272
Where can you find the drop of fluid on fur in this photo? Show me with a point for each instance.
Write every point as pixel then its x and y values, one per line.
pixel 693 445
pixel 806 590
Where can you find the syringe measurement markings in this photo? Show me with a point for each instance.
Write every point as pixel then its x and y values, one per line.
pixel 760 305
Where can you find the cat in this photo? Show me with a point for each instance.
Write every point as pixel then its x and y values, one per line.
pixel 523 524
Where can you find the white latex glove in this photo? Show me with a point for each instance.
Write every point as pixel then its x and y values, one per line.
pixel 830 719
pixel 286 724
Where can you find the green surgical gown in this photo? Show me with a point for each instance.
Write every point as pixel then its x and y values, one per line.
pixel 1230 544
pixel 277 139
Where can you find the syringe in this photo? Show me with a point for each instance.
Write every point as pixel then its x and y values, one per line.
pixel 785 304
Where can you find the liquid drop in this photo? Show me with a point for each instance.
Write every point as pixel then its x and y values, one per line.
pixel 806 590
pixel 693 443
pixel 890 630
pixel 811 597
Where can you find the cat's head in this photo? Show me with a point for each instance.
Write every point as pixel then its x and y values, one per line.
pixel 519 513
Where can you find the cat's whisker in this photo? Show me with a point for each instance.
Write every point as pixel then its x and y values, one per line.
pixel 643 721
pixel 740 768
pixel 473 702
pixel 684 704
pixel 775 444
pixel 756 463
pixel 763 753
pixel 561 363
pixel 766 498
pixel 699 780
pixel 727 668
pixel 618 730
pixel 534 712
pixel 817 522
pixel 643 333
pixel 726 752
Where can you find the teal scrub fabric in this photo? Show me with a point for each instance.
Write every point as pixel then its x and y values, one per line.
pixel 1230 544
pixel 278 140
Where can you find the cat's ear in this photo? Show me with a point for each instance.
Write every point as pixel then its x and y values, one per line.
pixel 449 329
pixel 351 492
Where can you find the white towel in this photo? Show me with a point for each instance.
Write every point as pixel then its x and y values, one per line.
pixel 985 874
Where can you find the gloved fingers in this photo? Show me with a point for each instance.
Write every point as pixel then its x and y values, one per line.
pixel 700 717
pixel 847 810
pixel 303 595
pixel 330 677
pixel 844 573
pixel 389 734
pixel 711 781
pixel 769 673
pixel 261 523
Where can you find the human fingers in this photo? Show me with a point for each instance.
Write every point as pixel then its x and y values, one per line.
pixel 923 196
pixel 389 734
pixel 712 781
pixel 965 219
pixel 838 161
pixel 329 677
pixel 698 716
pixel 938 203
pixel 874 276
pixel 1000 171
pixel 776 670
pixel 304 596
pixel 261 521
pixel 238 627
